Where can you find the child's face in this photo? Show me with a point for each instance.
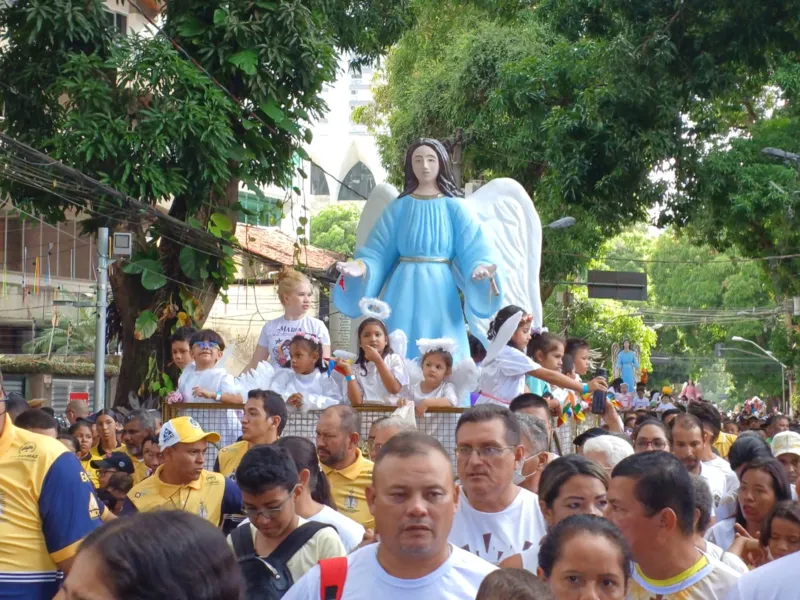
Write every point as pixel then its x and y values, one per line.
pixel 181 354
pixel 522 336
pixel 581 360
pixel 304 360
pixel 298 301
pixel 372 335
pixel 206 354
pixel 152 455
pixel 553 359
pixel 434 369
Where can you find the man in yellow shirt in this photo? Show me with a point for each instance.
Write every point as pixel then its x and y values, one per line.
pixel 141 425
pixel 47 506
pixel 181 483
pixel 263 421
pixel 348 472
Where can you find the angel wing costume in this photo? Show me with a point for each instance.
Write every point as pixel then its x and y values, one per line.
pixel 456 387
pixel 422 251
pixel 319 390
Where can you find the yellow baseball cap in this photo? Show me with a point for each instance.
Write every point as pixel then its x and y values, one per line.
pixel 184 430
pixel 786 442
pixel 666 390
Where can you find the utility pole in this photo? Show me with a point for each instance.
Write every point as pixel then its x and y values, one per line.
pixel 100 332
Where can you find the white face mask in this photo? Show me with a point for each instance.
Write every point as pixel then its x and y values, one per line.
pixel 518 476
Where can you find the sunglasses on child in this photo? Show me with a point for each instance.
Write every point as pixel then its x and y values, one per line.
pixel 206 345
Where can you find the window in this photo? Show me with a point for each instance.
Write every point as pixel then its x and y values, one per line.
pixel 319 184
pixel 118 21
pixel 258 212
pixel 360 180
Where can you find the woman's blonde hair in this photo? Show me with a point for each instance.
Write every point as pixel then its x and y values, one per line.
pixel 289 280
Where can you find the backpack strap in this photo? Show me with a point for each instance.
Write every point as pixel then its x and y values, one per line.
pixel 242 539
pixel 333 574
pixel 296 540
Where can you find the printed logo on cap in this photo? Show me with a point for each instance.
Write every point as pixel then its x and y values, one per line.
pixel 167 434
pixel 194 423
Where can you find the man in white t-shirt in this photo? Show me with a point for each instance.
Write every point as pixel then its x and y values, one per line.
pixel 413 500
pixel 689 440
pixel 496 518
pixel 651 500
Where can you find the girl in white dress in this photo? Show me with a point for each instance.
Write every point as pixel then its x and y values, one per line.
pixel 504 369
pixel 305 383
pixel 379 370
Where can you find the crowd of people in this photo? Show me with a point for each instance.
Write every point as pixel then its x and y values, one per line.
pixel 665 499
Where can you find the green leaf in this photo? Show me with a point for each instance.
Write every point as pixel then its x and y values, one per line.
pixel 300 231
pixel 289 126
pixel 237 153
pixel 221 221
pixel 146 325
pixel 215 231
pixel 302 173
pixel 266 5
pixel 220 17
pixel 273 112
pixel 151 280
pixel 246 60
pixel 192 27
pixel 194 223
pixel 303 220
pixel 188 261
pixel 249 125
pixel 301 152
pixel 308 136
pixel 297 191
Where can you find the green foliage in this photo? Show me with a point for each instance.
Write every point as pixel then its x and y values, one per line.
pixel 334 228
pixel 579 101
pixel 67 338
pixel 135 114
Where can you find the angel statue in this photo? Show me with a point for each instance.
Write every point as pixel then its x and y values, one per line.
pixel 626 363
pixel 424 246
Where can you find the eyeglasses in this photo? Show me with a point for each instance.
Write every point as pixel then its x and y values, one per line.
pixel 656 444
pixel 268 513
pixel 206 345
pixel 485 452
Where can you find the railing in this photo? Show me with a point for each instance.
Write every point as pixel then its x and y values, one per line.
pixel 438 422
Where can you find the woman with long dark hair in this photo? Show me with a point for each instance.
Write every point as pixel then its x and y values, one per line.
pixel 762 485
pixel 315 502
pixel 424 240
pixel 106 422
pixel 161 555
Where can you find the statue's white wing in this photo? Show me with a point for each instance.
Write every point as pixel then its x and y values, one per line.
pixel 510 221
pixel 464 377
pixel 381 197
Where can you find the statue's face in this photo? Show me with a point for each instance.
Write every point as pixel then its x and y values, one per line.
pixel 626 345
pixel 425 164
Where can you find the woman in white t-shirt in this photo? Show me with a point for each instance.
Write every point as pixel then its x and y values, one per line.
pixel 295 294
pixel 315 502
pixel 569 485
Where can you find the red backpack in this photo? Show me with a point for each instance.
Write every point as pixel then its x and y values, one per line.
pixel 333 573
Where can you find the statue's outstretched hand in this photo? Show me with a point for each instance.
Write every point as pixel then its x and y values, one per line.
pixel 351 268
pixel 483 272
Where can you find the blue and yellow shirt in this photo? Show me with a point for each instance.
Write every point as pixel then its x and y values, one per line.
pixel 212 496
pixel 47 506
pixel 230 457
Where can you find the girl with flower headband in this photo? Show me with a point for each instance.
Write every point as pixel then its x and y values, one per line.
pixel 379 371
pixel 504 369
pixel 305 383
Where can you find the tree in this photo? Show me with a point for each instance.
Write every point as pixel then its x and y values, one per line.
pixel 580 101
pixel 136 115
pixel 334 228
pixel 67 337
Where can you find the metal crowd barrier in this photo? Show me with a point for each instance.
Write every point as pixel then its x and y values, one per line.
pixel 438 422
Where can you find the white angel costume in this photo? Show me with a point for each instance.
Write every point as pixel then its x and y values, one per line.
pixel 455 387
pixel 503 370
pixel 368 378
pixel 215 380
pixel 422 251
pixel 319 390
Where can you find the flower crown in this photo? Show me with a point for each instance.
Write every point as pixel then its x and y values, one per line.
pixel 375 308
pixel 310 337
